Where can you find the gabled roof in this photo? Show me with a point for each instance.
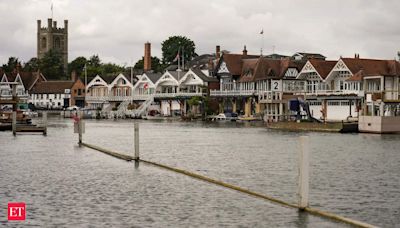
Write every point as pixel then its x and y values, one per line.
pixel 266 68
pixel 28 78
pixel 177 75
pixel 52 87
pixel 323 67
pixel 203 77
pixel 249 67
pixel 234 62
pixel 200 62
pixel 372 67
pixel 153 76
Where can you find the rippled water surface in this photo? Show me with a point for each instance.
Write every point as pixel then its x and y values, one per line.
pixel 353 175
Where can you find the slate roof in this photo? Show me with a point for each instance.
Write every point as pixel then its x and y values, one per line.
pixel 204 77
pixel 175 74
pixel 52 87
pixel 154 77
pixel 310 55
pixel 201 62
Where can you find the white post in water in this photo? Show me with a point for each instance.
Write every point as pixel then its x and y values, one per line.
pixel 14 122
pixel 303 172
pixel 136 136
pixel 80 127
pixel 44 119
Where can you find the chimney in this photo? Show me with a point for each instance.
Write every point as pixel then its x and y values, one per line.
pixel 217 52
pixel 49 24
pixel 244 51
pixel 55 24
pixel 74 77
pixel 66 26
pixel 39 25
pixel 147 57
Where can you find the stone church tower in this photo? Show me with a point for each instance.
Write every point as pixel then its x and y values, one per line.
pixel 53 38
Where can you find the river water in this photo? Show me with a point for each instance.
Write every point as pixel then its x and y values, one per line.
pixel 63 185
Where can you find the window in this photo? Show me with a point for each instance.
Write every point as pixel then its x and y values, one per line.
pixel 79 92
pixel 57 43
pixel 44 42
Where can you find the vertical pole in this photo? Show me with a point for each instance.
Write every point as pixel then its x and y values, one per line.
pixel 14 122
pixel 303 185
pixel 80 132
pixel 80 127
pixel 136 136
pixel 44 119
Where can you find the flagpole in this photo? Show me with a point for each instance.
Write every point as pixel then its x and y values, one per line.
pixel 262 42
pixel 52 10
pixel 86 89
pixel 183 58
pixel 179 66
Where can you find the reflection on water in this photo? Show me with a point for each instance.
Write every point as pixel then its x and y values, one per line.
pixel 355 175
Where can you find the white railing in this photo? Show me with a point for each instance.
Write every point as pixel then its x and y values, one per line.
pixel 335 92
pixel 141 97
pixel 216 93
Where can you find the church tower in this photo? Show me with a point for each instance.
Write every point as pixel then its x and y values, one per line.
pixel 53 38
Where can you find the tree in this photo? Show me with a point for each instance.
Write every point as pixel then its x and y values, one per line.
pixel 77 65
pixel 111 68
pixel 51 65
pixel 11 64
pixel 175 44
pixel 156 65
pixel 95 61
pixel 32 65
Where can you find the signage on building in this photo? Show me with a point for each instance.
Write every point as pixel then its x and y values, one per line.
pixel 276 85
pixel 67 91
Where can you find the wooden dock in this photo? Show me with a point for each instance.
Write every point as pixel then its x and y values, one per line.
pixel 31 129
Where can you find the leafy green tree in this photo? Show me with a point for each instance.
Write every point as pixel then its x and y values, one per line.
pixel 175 44
pixel 11 64
pixel 51 65
pixel 156 65
pixel 77 65
pixel 95 61
pixel 31 65
pixel 111 68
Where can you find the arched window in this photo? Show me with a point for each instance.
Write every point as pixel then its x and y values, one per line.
pixel 57 43
pixel 44 42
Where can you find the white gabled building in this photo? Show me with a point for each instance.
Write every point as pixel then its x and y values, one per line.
pixel 145 86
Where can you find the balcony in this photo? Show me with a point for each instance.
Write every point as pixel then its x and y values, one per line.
pixel 141 97
pixel 335 93
pixel 232 93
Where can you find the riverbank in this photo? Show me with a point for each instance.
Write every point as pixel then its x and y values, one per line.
pixel 337 127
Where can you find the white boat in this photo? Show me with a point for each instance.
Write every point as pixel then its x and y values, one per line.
pixel 225 117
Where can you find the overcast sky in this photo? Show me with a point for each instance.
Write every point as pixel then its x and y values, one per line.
pixel 117 30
